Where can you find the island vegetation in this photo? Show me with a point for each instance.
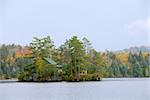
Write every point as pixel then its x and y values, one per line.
pixel 75 60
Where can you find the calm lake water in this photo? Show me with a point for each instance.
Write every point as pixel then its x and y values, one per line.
pixel 107 89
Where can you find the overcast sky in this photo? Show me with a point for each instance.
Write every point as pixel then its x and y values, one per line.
pixel 108 24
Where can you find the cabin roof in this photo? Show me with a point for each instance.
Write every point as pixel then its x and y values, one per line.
pixel 50 61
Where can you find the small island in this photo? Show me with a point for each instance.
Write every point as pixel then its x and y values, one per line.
pixel 69 64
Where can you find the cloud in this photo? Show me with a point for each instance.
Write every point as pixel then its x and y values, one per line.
pixel 139 27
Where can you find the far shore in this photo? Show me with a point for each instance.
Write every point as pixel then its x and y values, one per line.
pixel 8 80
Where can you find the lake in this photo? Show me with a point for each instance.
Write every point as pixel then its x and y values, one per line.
pixel 107 89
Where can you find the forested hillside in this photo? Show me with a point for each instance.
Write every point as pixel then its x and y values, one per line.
pixel 77 58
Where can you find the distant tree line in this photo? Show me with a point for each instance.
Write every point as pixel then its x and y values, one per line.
pixel 77 59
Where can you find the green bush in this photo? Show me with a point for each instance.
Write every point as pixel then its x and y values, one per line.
pixel 21 76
